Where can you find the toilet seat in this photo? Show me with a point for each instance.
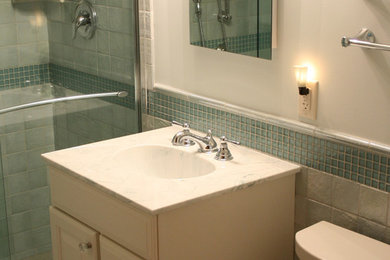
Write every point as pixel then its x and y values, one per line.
pixel 328 241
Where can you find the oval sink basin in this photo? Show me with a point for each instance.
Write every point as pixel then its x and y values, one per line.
pixel 164 162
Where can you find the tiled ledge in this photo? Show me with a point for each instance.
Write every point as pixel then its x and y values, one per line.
pixel 352 158
pixel 24 76
pixel 87 84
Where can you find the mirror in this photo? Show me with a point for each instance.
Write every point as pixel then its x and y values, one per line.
pixel 238 26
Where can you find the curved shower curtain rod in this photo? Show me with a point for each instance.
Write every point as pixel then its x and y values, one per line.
pixel 56 100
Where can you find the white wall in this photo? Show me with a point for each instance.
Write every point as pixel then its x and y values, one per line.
pixel 354 94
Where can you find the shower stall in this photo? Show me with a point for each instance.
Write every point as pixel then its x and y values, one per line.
pixel 48 82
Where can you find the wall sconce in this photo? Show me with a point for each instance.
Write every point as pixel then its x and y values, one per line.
pixel 301 76
pixel 307 93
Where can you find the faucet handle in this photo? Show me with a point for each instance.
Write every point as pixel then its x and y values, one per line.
pixel 224 139
pixel 224 153
pixel 184 125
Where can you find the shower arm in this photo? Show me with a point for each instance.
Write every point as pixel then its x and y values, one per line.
pixel 56 100
pixel 227 8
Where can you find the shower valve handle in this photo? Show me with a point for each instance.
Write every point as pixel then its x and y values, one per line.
pixel 83 19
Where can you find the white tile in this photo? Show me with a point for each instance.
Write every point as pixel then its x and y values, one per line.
pixel 373 204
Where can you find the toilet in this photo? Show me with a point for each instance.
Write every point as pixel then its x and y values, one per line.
pixel 330 242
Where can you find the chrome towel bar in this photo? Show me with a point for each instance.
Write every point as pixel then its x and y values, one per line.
pixel 364 39
pixel 56 100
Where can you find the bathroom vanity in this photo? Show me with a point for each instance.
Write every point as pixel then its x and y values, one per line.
pixel 139 197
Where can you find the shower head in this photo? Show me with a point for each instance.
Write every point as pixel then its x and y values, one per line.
pixel 198 9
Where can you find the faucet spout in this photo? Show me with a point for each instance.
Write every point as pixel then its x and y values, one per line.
pixel 206 144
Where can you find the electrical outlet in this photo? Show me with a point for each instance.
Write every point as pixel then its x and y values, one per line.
pixel 305 103
pixel 308 103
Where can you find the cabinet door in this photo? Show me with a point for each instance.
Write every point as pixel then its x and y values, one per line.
pixel 112 251
pixel 72 240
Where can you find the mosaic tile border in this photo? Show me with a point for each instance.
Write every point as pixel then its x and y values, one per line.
pixel 353 162
pixel 87 84
pixel 24 76
pixel 242 44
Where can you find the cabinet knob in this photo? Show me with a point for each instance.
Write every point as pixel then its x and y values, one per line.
pixel 85 246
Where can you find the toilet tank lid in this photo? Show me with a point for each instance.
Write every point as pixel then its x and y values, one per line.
pixel 328 241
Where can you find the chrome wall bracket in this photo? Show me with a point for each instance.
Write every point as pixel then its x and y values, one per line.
pixel 364 39
pixel 364 35
pixel 85 20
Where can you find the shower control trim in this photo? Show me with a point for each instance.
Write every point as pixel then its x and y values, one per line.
pixel 84 21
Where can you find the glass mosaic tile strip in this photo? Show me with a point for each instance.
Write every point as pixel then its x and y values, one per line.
pixel 353 162
pixel 24 76
pixel 87 84
pixel 242 44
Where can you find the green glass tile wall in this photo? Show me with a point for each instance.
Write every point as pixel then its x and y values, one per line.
pixel 24 76
pixel 24 37
pixel 91 120
pixel 87 84
pixel 356 163
pixel 110 53
pixel 24 136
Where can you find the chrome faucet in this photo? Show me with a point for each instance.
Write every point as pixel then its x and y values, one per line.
pixel 206 144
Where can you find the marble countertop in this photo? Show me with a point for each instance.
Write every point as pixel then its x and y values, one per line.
pixel 96 164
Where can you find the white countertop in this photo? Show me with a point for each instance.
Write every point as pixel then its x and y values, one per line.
pixel 95 164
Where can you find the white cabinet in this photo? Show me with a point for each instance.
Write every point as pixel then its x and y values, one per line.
pixel 252 223
pixel 127 226
pixel 71 239
pixel 112 251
